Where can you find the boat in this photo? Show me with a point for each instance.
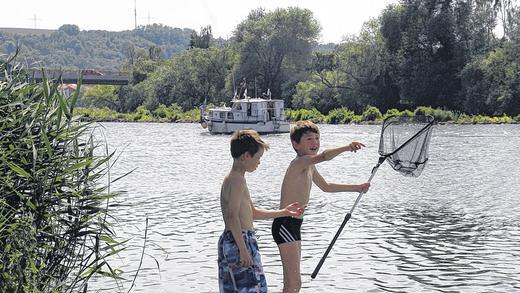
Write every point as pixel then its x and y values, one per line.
pixel 265 115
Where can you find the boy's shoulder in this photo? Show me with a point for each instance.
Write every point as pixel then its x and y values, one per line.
pixel 300 160
pixel 234 179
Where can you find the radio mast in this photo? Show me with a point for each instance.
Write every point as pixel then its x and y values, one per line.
pixel 135 14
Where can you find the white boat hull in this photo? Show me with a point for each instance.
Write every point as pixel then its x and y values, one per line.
pixel 262 115
pixel 216 127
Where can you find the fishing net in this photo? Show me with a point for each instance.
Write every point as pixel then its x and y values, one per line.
pixel 405 141
pixel 404 144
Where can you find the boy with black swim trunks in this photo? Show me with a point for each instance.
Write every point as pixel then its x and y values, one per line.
pixel 239 265
pixel 296 187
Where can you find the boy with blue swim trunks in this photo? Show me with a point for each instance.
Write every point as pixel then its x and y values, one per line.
pixel 239 264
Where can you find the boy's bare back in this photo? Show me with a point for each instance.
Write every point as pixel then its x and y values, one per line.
pixel 234 197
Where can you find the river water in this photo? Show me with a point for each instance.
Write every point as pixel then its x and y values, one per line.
pixel 453 229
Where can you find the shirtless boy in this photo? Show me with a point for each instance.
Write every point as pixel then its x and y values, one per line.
pixel 239 265
pixel 296 187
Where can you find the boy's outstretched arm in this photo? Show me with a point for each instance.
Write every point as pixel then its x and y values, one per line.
pixel 335 187
pixel 292 210
pixel 330 154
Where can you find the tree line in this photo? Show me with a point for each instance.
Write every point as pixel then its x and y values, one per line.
pixel 440 54
pixel 72 48
pixel 462 56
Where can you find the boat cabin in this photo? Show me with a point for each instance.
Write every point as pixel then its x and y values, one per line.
pixel 249 110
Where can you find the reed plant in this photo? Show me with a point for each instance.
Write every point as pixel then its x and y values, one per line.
pixel 54 234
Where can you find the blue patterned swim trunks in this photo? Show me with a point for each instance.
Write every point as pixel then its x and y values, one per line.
pixel 235 278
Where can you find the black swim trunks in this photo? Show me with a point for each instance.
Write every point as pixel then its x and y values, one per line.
pixel 286 229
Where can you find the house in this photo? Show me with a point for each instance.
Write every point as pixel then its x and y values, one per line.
pixel 68 89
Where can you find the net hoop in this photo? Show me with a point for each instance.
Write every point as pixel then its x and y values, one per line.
pixel 429 123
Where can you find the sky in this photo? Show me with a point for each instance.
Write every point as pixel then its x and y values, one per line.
pixel 336 17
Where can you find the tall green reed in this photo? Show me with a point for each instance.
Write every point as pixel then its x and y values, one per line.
pixel 54 200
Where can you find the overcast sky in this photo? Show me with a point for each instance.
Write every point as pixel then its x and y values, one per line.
pixel 337 18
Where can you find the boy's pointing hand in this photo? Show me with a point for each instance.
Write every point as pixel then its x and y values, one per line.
pixel 355 146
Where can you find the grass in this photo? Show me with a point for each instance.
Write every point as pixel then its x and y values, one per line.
pixel 53 200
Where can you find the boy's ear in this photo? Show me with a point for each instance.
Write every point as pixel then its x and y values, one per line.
pixel 245 155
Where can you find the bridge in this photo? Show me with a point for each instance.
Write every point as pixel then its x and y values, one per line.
pixel 89 76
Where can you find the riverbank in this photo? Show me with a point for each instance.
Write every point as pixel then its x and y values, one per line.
pixel 371 115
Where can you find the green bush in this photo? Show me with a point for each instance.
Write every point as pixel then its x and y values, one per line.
pixel 439 114
pixel 305 114
pixel 340 116
pixel 191 116
pixel 391 112
pixel 371 113
pixel 53 233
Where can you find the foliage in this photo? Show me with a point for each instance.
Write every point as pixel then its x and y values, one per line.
pixel 479 119
pixel 53 230
pixel 314 93
pixel 202 40
pixel 340 116
pixel 492 83
pixel 438 54
pixel 99 96
pixel 174 113
pixel 70 47
pixel 274 48
pixel 162 113
pixel 371 113
pixel 192 77
pixel 305 114
pixel 439 114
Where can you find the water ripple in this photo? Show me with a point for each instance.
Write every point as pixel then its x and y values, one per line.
pixel 454 229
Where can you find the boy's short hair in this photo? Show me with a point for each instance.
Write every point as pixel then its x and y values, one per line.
pixel 244 141
pixel 301 127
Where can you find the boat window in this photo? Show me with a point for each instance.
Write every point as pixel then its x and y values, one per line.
pixel 230 116
pixel 222 115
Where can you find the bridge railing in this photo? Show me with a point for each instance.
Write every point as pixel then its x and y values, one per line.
pixel 89 76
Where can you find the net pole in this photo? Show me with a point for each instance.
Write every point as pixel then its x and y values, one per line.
pixel 345 220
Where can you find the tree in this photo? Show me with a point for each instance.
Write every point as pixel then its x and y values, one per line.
pixel 430 41
pixel 69 29
pixel 202 40
pixel 100 96
pixel 191 77
pixel 275 48
pixel 492 83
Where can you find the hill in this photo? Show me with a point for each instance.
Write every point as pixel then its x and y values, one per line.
pixel 72 48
